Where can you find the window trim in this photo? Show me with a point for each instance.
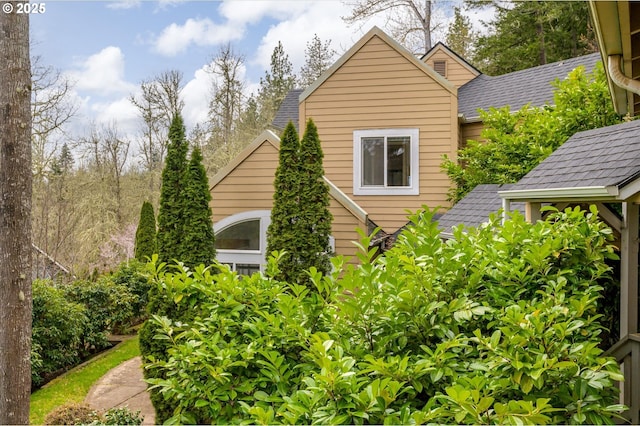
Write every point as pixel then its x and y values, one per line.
pixel 245 256
pixel 413 189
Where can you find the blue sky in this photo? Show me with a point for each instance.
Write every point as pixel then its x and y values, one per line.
pixel 108 47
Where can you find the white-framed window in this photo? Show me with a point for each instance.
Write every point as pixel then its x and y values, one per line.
pixel 385 162
pixel 241 240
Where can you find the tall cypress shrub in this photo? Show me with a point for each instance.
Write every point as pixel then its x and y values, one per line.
pixel 198 239
pixel 300 217
pixel 313 228
pixel 281 235
pixel 172 194
pixel 169 238
pixel 146 233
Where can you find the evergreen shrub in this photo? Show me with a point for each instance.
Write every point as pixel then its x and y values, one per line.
pixel 145 244
pixel 499 325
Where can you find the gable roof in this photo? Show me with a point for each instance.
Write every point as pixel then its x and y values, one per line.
pixel 440 45
pixel 269 137
pixel 377 32
pixel 474 209
pixel 516 89
pixel 289 111
pixel 599 164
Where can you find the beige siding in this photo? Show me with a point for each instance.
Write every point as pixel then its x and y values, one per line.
pixel 343 229
pixel 378 88
pixel 250 187
pixel 470 131
pixel 457 73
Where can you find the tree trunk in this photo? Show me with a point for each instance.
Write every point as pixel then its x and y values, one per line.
pixel 15 218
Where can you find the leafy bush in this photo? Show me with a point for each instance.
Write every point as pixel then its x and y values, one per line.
pixel 108 306
pixel 122 416
pixel 83 414
pixel 58 329
pixel 132 275
pixel 498 325
pixel 72 414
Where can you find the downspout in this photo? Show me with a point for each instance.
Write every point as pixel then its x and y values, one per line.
pixel 506 209
pixel 621 80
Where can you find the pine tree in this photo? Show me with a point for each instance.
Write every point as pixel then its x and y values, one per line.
pixel 146 233
pixel 281 235
pixel 318 58
pixel 172 201
pixel 198 239
pixel 275 85
pixel 460 35
pixel 313 228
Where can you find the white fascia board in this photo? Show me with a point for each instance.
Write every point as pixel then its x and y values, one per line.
pixel 561 194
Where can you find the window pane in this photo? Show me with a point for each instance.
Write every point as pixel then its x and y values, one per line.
pixel 247 268
pixel 241 236
pixel 372 161
pixel 399 161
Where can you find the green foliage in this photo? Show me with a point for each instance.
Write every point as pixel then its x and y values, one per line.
pixel 280 234
pixel 513 143
pixel 121 416
pixel 83 414
pixel 198 241
pixel 525 34
pixel 460 35
pixel 146 233
pixel 58 330
pixel 108 306
pixel 313 227
pixel 300 218
pixel 72 321
pixel 498 326
pixel 277 82
pixel 170 214
pixel 132 275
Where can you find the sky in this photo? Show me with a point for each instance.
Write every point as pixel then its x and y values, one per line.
pixel 107 48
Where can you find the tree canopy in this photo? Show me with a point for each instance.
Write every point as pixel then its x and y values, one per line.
pixel 525 34
pixel 146 233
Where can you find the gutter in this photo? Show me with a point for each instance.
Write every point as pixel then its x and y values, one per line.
pixel 560 194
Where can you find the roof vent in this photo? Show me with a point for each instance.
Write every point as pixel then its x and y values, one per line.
pixel 440 67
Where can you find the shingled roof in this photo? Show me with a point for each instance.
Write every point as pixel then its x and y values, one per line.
pixel 474 209
pixel 516 89
pixel 607 158
pixel 288 111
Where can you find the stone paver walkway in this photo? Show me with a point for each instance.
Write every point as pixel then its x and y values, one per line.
pixel 123 387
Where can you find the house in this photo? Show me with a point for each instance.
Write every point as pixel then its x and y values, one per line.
pixel 385 119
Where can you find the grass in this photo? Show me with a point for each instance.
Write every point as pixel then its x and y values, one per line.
pixel 75 384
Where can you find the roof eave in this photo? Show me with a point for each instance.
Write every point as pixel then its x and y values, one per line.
pixel 588 193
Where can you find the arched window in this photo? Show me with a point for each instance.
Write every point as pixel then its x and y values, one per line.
pixel 241 240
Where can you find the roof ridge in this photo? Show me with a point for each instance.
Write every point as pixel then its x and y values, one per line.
pixel 538 67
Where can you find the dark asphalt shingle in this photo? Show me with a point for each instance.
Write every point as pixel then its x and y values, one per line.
pixel 608 156
pixel 474 209
pixel 288 111
pixel 516 89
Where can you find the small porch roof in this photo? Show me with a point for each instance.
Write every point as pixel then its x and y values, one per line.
pixel 475 208
pixel 595 165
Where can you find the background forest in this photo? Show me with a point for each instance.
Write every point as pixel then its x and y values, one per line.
pixel 89 187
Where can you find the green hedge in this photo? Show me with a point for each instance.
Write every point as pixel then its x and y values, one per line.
pixel 71 321
pixel 498 325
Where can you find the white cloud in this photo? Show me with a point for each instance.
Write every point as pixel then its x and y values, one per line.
pixel 202 32
pixel 251 12
pixel 196 95
pixel 123 4
pixel 321 18
pixel 102 73
pixel 120 111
